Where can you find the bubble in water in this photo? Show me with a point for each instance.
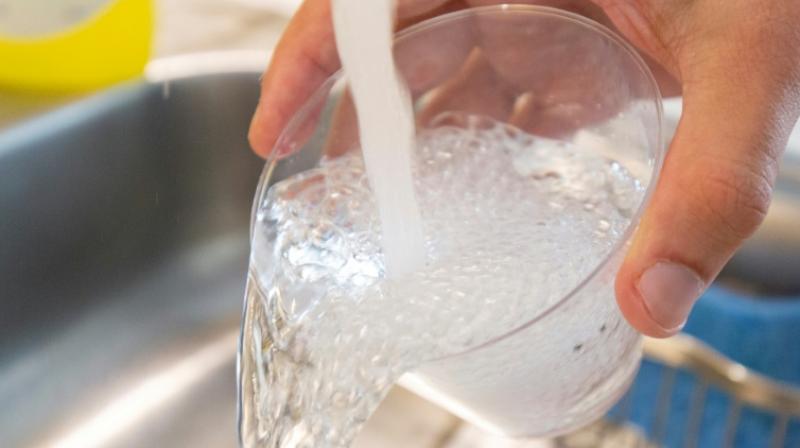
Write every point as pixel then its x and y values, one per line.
pixel 511 223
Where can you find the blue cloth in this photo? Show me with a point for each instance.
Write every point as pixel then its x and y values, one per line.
pixel 761 334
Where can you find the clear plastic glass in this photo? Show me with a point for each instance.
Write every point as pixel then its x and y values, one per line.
pixel 572 79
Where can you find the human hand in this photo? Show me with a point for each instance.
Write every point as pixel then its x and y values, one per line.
pixel 739 69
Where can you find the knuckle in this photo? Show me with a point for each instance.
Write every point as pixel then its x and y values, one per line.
pixel 737 197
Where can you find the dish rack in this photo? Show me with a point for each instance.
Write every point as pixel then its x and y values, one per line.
pixel 688 395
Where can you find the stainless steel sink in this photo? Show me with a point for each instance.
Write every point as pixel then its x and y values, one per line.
pixel 124 221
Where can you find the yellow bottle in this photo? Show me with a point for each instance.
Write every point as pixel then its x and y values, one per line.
pixel 72 45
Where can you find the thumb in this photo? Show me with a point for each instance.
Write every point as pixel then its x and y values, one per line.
pixel 714 191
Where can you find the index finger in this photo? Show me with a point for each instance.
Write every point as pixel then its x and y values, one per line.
pixel 304 58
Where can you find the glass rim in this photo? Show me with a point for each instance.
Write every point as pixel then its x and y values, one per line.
pixel 515 9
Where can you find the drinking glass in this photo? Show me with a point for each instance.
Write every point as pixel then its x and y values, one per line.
pixel 551 73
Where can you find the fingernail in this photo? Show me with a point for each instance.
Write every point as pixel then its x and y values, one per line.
pixel 669 291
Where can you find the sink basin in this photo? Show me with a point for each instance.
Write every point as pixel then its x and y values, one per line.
pixel 125 220
pixel 125 241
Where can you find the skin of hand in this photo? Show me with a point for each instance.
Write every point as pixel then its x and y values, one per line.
pixel 737 63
